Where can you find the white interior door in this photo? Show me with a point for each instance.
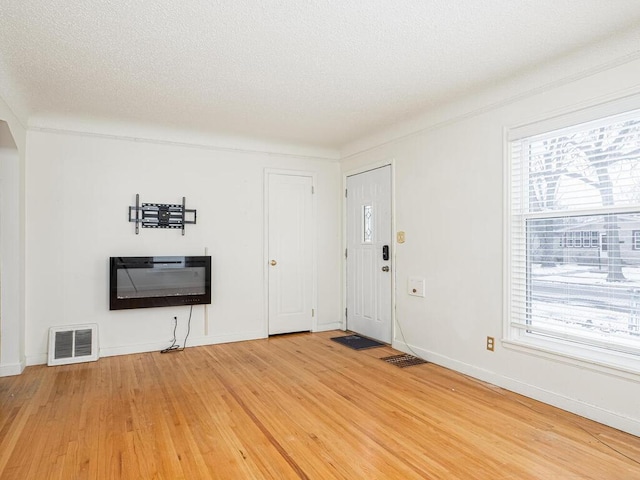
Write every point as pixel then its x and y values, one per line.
pixel 368 261
pixel 290 252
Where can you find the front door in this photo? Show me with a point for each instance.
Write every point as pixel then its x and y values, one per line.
pixel 369 253
pixel 290 252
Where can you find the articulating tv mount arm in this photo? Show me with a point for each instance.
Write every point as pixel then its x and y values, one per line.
pixel 161 215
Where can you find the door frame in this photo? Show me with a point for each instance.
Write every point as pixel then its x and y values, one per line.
pixel 314 256
pixel 362 169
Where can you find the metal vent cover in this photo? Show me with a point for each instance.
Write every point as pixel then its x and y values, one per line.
pixel 404 360
pixel 73 344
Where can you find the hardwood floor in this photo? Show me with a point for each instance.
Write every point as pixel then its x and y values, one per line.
pixel 289 407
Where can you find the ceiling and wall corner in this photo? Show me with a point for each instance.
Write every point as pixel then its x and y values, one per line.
pixel 6 138
pixel 16 129
pixel 590 61
pixel 306 74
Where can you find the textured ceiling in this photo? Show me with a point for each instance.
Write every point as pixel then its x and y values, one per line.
pixel 319 73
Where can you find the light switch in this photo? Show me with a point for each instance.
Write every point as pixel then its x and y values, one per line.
pixel 400 237
pixel 415 286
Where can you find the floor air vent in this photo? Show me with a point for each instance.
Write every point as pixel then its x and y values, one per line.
pixel 404 360
pixel 73 344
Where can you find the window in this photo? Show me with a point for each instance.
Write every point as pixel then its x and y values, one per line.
pixel 586 239
pixel 581 239
pixel 367 224
pixel 574 239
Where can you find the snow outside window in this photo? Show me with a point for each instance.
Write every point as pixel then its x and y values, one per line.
pixel 574 218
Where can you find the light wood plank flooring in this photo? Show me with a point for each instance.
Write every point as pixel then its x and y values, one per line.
pixel 289 407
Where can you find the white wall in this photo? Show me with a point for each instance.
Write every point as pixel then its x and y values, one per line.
pixel 79 188
pixel 449 201
pixel 12 147
pixel 11 349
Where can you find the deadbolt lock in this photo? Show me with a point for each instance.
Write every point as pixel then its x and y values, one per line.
pixel 273 263
pixel 385 268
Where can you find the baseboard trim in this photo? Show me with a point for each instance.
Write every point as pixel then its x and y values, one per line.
pixel 325 327
pixel 8 370
pixel 36 359
pixel 191 342
pixel 572 405
pixel 41 358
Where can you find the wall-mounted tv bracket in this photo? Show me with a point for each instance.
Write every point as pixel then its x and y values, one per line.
pixel 161 215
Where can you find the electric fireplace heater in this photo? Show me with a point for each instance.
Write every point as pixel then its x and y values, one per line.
pixel 143 282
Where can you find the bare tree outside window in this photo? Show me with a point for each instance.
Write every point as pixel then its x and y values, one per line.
pixel 591 157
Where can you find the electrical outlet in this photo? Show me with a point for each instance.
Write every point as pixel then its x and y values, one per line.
pixel 490 343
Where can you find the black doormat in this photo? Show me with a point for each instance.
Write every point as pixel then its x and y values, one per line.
pixel 357 342
pixel 403 360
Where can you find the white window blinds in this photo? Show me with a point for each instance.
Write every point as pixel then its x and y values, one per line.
pixel 575 234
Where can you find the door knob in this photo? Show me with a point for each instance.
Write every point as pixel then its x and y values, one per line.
pixel 385 268
pixel 273 263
